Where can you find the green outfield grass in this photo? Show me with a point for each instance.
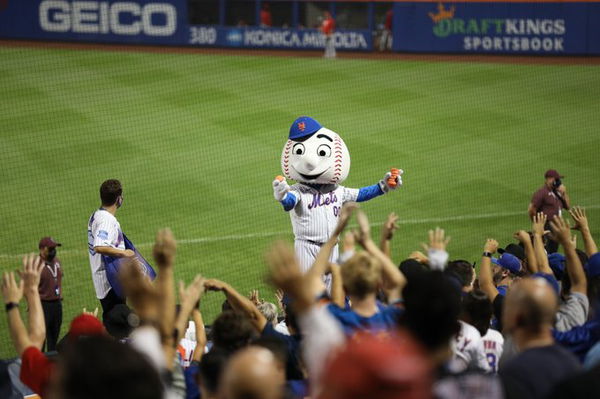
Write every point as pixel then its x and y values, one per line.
pixel 196 141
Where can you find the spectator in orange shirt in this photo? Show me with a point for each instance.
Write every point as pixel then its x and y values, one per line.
pixel 328 27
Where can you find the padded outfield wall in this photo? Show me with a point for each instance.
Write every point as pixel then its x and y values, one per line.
pixel 515 27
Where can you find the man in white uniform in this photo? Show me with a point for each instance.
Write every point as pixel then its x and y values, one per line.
pixel 106 238
pixel 318 159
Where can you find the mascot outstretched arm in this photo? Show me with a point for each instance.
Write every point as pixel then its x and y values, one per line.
pixel 318 160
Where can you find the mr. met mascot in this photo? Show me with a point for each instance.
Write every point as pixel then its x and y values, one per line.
pixel 318 160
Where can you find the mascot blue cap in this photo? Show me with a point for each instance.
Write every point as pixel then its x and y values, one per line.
pixel 303 126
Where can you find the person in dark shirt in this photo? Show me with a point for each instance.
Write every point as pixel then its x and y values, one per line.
pixel 50 290
pixel 529 310
pixel 550 199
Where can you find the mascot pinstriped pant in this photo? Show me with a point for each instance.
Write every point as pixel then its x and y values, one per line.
pixel 318 160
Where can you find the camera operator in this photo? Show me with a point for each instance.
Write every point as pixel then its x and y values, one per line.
pixel 550 199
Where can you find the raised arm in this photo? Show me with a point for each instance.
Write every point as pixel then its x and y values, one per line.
pixel 525 239
pixel 581 224
pixel 321 263
pixel 115 252
pixel 387 233
pixel 239 303
pixel 12 292
pixel 393 279
pixel 200 335
pixel 164 251
pixel 337 285
pixel 562 232
pixel 30 275
pixel 486 278
pixel 539 221
pixel 189 297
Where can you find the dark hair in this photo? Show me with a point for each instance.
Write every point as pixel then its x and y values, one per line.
pixel 478 308
pixel 99 367
pixel 211 368
pixel 231 331
pixel 410 267
pixel 110 190
pixel 463 270
pixel 432 303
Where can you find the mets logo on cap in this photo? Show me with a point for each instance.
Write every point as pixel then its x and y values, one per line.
pixel 302 127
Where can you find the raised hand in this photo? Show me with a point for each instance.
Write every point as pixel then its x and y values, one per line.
pixel 522 236
pixel 363 234
pixel 280 188
pixel 191 295
pixel 11 290
pixel 91 313
pixel 214 285
pixel 389 226
pixel 490 246
pixel 419 257
pixel 539 221
pixel 437 240
pixel 165 248
pixel 344 217
pixel 391 182
pixel 254 297
pixel 32 270
pixel 283 266
pixel 580 218
pixel 143 296
pixel 561 230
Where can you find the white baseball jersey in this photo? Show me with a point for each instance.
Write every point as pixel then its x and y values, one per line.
pixel 315 216
pixel 493 344
pixel 103 231
pixel 316 212
pixel 467 348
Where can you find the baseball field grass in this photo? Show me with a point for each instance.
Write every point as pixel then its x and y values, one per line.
pixel 196 141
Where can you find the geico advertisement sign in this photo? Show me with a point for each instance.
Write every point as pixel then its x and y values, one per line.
pixel 121 18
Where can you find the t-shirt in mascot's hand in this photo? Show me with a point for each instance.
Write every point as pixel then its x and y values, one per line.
pixel 318 159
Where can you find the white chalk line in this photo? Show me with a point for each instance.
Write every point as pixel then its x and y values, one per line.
pixel 201 240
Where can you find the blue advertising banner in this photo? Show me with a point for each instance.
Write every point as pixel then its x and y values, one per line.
pixel 221 36
pixel 152 22
pixel 490 27
pixel 159 22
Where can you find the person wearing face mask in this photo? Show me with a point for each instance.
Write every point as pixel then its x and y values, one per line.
pixel 106 240
pixel 50 290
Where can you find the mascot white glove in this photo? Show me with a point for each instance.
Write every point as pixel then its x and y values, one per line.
pixel 391 181
pixel 280 189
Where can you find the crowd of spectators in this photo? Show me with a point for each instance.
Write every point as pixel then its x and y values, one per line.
pixel 524 323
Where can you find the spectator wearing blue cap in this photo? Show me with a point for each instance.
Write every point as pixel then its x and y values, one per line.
pixel 506 269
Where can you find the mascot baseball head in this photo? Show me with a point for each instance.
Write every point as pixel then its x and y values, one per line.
pixel 314 154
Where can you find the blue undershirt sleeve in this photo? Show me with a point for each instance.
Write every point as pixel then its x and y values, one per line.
pixel 289 202
pixel 368 192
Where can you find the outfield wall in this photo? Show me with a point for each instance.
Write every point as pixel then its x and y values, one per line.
pixel 515 27
pixel 499 28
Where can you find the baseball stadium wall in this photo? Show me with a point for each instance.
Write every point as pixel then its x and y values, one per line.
pixel 482 27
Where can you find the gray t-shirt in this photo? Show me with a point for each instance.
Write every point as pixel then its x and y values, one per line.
pixel 573 312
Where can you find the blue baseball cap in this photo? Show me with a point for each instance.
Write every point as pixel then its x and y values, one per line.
pixel 557 264
pixel 550 279
pixel 303 126
pixel 592 268
pixel 509 262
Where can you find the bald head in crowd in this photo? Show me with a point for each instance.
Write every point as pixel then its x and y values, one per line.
pixel 253 373
pixel 530 308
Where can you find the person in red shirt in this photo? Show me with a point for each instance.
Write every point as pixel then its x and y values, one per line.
pixel 385 43
pixel 50 290
pixel 265 16
pixel 550 199
pixel 328 28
